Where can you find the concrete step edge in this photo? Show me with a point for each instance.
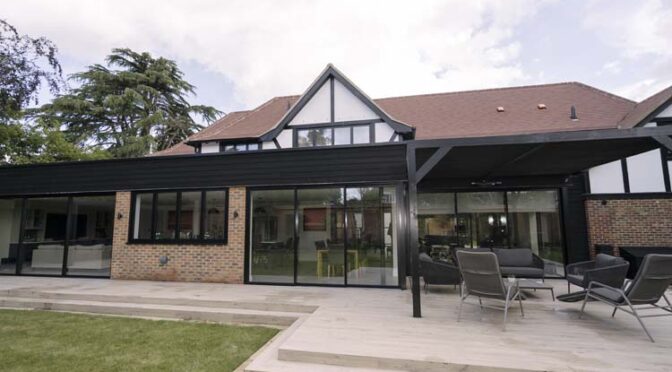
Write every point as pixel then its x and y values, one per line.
pixel 248 305
pixel 382 363
pixel 234 316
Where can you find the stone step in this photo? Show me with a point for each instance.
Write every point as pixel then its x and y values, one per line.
pixel 219 315
pixel 247 305
pixel 381 363
pixel 266 359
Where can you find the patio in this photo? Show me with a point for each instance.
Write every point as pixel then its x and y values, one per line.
pixel 374 329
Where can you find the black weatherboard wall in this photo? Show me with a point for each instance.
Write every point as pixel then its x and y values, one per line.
pixel 377 163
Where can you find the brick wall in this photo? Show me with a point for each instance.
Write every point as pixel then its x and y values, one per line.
pixel 629 222
pixel 190 263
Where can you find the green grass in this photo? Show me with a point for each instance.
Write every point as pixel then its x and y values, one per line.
pixel 50 341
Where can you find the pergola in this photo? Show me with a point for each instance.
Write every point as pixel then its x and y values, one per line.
pixel 489 160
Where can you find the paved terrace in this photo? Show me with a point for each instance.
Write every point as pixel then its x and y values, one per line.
pixel 372 329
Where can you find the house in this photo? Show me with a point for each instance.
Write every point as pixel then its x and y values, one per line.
pixel 333 188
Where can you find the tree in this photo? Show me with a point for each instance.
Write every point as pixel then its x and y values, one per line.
pixel 25 64
pixel 127 110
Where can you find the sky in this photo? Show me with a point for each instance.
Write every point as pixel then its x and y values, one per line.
pixel 241 53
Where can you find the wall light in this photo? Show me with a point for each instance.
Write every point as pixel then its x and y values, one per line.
pixel 120 216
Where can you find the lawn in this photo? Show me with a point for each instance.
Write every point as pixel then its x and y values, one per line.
pixel 51 341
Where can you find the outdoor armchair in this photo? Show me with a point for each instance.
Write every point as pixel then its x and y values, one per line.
pixel 605 269
pixel 519 262
pixel 483 279
pixel 440 273
pixel 642 293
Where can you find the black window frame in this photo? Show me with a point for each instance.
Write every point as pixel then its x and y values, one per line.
pixel 332 126
pixel 201 240
pixel 224 145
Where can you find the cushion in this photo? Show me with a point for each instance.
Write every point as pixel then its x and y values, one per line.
pixel 605 260
pixel 607 294
pixel 575 279
pixel 518 271
pixel 514 256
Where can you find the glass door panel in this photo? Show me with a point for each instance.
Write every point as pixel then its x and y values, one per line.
pixel 91 231
pixel 486 212
pixel 10 225
pixel 371 235
pixel 44 236
pixel 321 248
pixel 535 224
pixel 272 236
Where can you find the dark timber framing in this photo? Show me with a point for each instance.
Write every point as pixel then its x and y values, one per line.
pixel 330 75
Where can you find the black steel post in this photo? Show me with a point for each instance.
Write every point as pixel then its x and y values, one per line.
pixel 413 228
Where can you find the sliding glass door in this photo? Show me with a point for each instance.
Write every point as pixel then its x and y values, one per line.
pixel 272 236
pixel 324 235
pixel 10 229
pixel 502 219
pixel 321 243
pixel 69 235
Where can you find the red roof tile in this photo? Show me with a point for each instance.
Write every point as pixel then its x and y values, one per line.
pixel 464 114
pixel 645 108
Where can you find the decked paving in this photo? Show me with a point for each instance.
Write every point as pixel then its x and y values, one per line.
pixel 337 329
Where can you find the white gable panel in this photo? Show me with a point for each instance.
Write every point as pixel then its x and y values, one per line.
pixel 348 107
pixel 383 132
pixel 285 139
pixel 645 172
pixel 268 145
pixel 317 110
pixel 667 113
pixel 606 178
pixel 209 147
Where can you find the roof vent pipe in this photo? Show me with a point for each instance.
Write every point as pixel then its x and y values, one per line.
pixel 572 113
pixel 500 109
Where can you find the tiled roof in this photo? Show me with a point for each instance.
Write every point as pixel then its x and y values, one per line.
pixel 526 109
pixel 645 108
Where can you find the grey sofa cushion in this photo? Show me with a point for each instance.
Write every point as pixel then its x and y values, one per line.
pixel 575 279
pixel 521 257
pixel 607 294
pixel 605 260
pixel 531 272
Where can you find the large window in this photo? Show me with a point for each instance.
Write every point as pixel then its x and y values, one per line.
pixel 324 235
pixel 69 235
pixel 179 216
pixel 514 219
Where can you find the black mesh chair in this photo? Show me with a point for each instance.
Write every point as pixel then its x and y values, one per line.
pixel 483 279
pixel 606 269
pixel 642 293
pixel 438 273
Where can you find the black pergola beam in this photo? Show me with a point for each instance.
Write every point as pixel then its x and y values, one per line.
pixel 518 158
pixel 665 141
pixel 433 160
pixel 413 227
pixel 584 135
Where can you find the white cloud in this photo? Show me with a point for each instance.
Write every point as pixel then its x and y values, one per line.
pixel 642 33
pixel 270 48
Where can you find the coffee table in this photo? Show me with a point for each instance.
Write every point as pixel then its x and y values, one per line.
pixel 533 284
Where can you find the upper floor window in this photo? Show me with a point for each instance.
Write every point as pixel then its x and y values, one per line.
pixel 240 147
pixel 179 216
pixel 330 136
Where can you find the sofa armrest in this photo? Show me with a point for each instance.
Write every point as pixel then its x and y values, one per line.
pixel 613 276
pixel 578 268
pixel 538 261
pixel 439 272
